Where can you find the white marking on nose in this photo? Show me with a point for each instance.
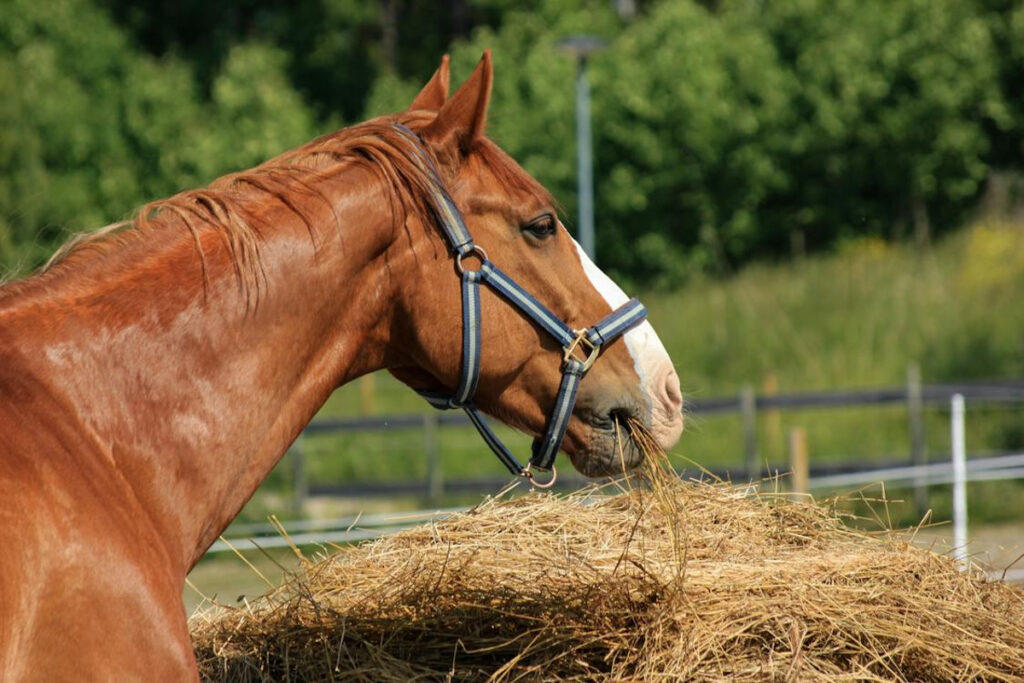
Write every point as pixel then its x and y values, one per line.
pixel 658 380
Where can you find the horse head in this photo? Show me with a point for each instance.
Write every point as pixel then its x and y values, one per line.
pixel 514 223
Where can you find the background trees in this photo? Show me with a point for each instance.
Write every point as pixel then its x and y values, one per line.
pixel 93 126
pixel 725 130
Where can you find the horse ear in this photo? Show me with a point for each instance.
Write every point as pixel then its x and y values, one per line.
pixel 435 92
pixel 461 120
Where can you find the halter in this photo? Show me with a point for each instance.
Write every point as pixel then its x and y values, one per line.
pixel 580 347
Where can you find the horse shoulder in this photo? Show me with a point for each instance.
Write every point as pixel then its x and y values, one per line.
pixel 86 577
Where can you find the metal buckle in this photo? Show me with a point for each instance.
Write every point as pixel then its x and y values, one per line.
pixel 589 348
pixel 477 251
pixel 530 477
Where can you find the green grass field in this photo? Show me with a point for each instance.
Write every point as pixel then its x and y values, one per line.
pixel 854 318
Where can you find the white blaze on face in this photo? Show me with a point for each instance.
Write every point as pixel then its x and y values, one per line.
pixel 658 379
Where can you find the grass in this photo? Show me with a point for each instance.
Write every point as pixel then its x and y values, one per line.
pixel 227 579
pixel 854 318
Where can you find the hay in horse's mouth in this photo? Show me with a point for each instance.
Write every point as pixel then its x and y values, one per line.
pixel 633 437
pixel 641 435
pixel 617 446
pixel 673 580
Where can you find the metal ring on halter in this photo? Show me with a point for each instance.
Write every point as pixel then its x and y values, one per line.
pixel 477 250
pixel 584 344
pixel 528 475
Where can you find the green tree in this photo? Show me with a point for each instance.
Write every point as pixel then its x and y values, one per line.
pixel 889 117
pixel 724 129
pixel 93 128
pixel 256 114
pixel 337 49
pixel 1005 20
pixel 62 65
pixel 532 105
pixel 692 110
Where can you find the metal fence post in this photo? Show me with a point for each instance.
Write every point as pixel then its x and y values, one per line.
pixel 748 410
pixel 300 487
pixel 959 448
pixel 918 450
pixel 435 475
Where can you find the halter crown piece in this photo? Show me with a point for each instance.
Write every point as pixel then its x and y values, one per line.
pixel 587 340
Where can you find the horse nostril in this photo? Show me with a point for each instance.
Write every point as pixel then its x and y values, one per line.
pixel 621 416
pixel 667 402
pixel 669 393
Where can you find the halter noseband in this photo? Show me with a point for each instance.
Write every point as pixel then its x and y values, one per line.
pixel 587 340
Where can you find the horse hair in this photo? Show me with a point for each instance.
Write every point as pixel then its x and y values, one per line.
pixel 287 178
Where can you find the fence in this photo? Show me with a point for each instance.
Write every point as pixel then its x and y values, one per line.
pixel 915 468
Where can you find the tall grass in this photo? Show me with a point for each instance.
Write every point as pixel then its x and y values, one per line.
pixel 857 317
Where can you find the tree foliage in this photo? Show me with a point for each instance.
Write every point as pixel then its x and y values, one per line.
pixel 694 112
pixel 94 127
pixel 725 130
pixel 890 113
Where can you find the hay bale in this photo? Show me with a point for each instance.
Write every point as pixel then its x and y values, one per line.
pixel 678 581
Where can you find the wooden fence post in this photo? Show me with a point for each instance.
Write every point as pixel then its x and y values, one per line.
pixel 918 449
pixel 435 475
pixel 748 411
pixel 799 464
pixel 300 487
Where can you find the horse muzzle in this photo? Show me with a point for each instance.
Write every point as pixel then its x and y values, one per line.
pixel 616 430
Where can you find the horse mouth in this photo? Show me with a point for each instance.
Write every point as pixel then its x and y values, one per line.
pixel 618 443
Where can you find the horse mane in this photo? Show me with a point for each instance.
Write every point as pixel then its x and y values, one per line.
pixel 290 178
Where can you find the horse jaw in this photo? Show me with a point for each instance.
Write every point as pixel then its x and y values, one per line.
pixel 659 383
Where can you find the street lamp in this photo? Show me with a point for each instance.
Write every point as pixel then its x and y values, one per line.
pixel 581 47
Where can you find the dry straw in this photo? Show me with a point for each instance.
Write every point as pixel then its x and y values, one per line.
pixel 668 580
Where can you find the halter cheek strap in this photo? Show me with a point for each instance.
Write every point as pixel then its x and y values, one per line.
pixel 580 347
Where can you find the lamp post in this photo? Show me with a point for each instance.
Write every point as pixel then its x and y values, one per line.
pixel 581 47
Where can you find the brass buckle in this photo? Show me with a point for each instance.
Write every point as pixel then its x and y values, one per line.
pixel 588 347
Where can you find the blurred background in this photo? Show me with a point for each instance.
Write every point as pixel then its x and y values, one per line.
pixel 821 202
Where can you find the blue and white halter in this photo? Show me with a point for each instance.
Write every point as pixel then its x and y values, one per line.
pixel 587 341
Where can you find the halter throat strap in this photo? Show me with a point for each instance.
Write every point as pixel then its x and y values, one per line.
pixel 580 347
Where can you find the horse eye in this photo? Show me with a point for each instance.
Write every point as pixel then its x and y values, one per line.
pixel 542 227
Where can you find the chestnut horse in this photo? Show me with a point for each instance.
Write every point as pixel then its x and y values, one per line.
pixel 151 376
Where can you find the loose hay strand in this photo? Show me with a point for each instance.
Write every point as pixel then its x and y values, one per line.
pixel 666 580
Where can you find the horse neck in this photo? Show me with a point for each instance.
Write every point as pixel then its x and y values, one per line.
pixel 193 387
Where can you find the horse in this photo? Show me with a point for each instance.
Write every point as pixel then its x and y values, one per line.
pixel 154 372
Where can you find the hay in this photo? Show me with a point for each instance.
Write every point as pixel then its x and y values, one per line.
pixel 672 581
